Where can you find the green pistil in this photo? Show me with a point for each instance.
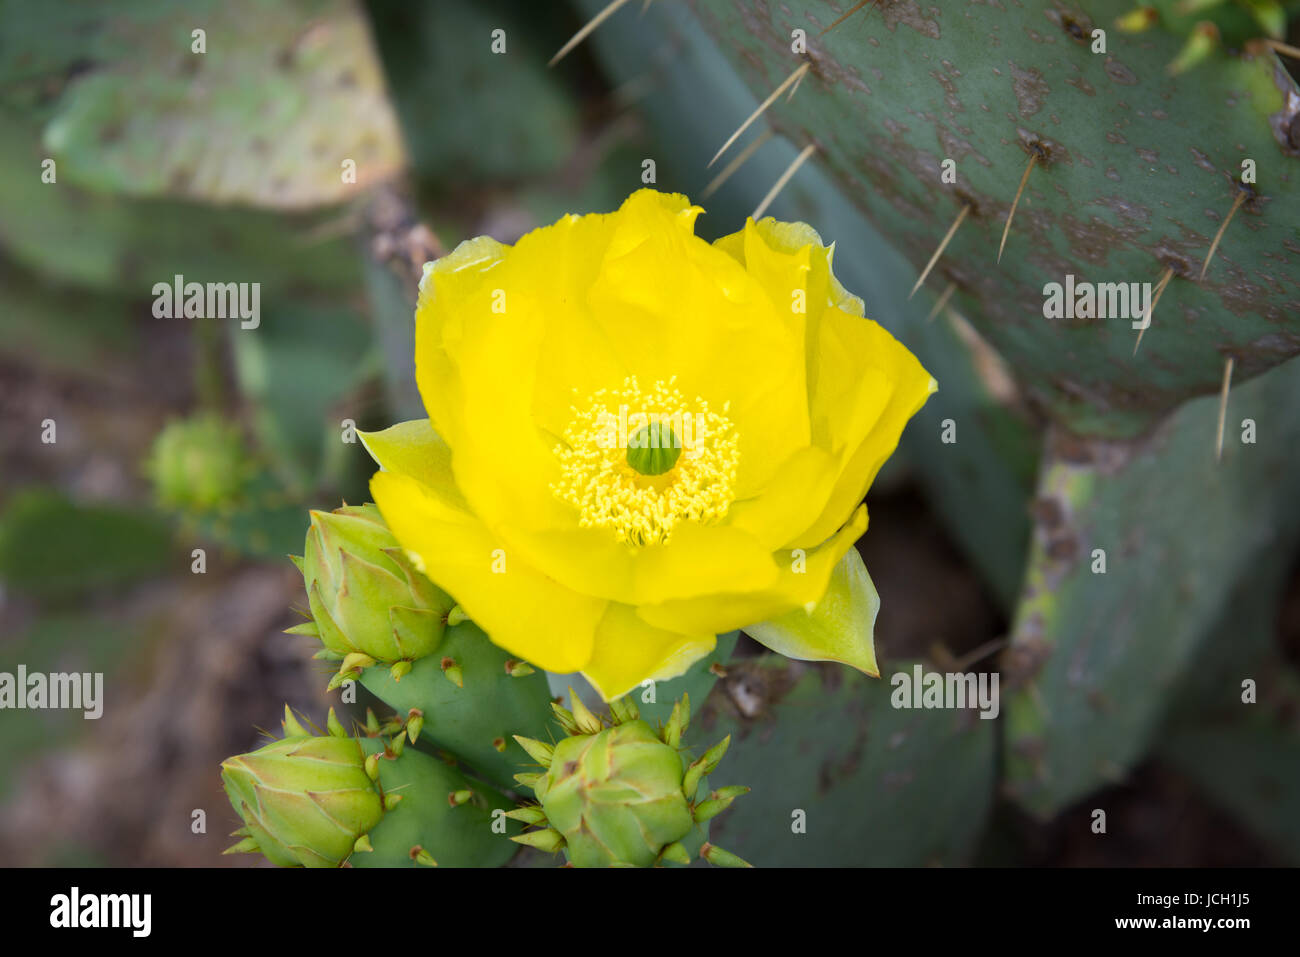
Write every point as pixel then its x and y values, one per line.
pixel 654 449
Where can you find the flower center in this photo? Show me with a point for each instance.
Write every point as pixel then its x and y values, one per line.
pixel 637 462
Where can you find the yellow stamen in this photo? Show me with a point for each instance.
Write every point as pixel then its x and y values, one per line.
pixel 644 509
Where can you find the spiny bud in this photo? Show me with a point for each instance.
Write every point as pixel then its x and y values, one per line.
pixel 453 672
pixel 368 602
pixel 305 799
pixel 456 616
pixel 457 798
pixel 618 795
pixel 518 669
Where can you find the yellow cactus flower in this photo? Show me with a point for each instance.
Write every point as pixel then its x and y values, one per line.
pixel 638 440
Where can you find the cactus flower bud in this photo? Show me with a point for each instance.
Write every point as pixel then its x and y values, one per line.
pixel 620 795
pixel 368 602
pixel 199 463
pixel 306 800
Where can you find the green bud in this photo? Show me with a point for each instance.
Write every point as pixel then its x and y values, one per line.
pixel 368 602
pixel 619 795
pixel 200 463
pixel 305 800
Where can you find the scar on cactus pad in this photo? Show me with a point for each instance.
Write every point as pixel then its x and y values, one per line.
pixel 622 795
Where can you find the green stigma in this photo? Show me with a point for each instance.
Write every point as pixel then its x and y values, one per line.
pixel 654 449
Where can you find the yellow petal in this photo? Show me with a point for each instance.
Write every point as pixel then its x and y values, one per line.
pixel 841 627
pixel 697 560
pixel 869 386
pixel 456 280
pixel 804 577
pixel 523 611
pixel 788 239
pixel 629 651
pixel 671 305
pixel 791 256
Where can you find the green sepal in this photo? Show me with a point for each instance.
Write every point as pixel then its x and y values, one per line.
pixel 840 627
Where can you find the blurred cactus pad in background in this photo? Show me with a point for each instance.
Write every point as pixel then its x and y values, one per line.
pixel 1083 218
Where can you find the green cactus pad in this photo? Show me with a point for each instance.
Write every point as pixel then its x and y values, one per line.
pixel 1092 654
pixel 861 783
pixel 1136 172
pixel 474 721
pixel 454 835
